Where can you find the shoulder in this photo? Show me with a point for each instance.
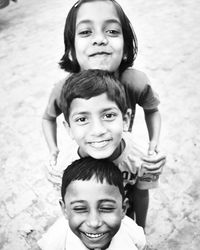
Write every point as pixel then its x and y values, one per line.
pixel 135 77
pixel 51 240
pixel 135 232
pixel 59 85
pixel 130 236
pixel 133 148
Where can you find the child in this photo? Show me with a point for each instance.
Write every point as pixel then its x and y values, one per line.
pixel 94 205
pixel 94 106
pixel 108 42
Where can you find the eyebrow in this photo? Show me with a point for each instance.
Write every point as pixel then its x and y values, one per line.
pixel 87 112
pixel 108 21
pixel 77 201
pixel 100 201
pixel 108 200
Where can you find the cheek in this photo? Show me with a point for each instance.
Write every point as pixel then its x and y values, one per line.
pixel 77 132
pixel 79 48
pixel 113 220
pixel 119 46
pixel 74 221
pixel 117 128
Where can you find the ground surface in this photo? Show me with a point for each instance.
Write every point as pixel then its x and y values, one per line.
pixel 31 44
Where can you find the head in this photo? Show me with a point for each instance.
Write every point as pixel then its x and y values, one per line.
pixel 93 40
pixel 93 200
pixel 94 105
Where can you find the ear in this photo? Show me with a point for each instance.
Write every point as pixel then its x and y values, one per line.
pixel 125 206
pixel 63 208
pixel 68 129
pixel 124 57
pixel 126 120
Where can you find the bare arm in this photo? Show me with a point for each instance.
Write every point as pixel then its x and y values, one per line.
pixel 50 133
pixel 153 122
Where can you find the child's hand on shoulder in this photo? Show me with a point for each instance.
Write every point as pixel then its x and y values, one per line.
pixel 154 163
pixel 53 158
pixel 153 148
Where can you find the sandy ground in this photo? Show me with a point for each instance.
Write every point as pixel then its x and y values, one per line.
pixel 31 44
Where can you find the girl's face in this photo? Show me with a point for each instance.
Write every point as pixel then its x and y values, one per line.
pixel 99 39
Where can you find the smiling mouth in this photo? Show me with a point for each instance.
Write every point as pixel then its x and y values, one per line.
pixel 99 144
pixel 100 53
pixel 94 236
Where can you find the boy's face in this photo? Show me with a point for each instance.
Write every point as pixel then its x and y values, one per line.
pixel 94 211
pixel 97 124
pixel 99 42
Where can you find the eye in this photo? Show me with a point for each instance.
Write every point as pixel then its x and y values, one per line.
pixel 80 209
pixel 110 116
pixel 113 32
pixel 84 33
pixel 81 120
pixel 106 209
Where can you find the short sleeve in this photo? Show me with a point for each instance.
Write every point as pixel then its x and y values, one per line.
pixel 53 108
pixel 148 98
pixel 138 90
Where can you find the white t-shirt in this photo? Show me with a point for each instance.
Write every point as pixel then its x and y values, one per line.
pixel 60 237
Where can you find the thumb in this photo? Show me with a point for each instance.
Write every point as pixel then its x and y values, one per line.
pixel 53 160
pixel 152 148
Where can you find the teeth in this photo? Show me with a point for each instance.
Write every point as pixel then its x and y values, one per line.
pixel 94 235
pixel 99 144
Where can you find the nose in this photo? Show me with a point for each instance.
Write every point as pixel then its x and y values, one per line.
pixel 97 128
pixel 99 38
pixel 94 220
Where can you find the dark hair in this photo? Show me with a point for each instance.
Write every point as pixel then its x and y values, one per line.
pixel 130 39
pixel 90 83
pixel 86 168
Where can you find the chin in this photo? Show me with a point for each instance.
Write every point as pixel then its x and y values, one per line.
pixel 96 246
pixel 100 155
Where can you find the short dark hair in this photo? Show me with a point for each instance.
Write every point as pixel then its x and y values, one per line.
pixel 86 168
pixel 91 83
pixel 70 63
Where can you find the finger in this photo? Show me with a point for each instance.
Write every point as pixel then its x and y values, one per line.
pixel 151 152
pixel 154 159
pixel 153 167
pixel 157 149
pixel 151 149
pixel 157 171
pixel 53 160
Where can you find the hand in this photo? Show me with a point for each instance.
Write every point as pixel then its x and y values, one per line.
pixel 153 148
pixel 53 158
pixel 154 163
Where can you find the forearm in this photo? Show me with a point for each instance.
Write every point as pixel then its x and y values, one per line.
pixel 50 133
pixel 153 122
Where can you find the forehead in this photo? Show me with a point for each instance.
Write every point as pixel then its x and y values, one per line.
pixel 93 104
pixel 92 11
pixel 91 191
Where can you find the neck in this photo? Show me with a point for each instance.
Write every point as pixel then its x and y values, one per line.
pixel 81 153
pixel 118 151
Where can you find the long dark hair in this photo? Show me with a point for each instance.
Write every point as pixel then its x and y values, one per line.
pixel 69 62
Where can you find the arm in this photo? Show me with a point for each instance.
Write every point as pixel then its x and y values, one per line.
pixel 50 133
pixel 153 122
pixel 49 125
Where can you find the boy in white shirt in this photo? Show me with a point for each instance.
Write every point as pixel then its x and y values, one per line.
pixel 94 206
pixel 94 106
